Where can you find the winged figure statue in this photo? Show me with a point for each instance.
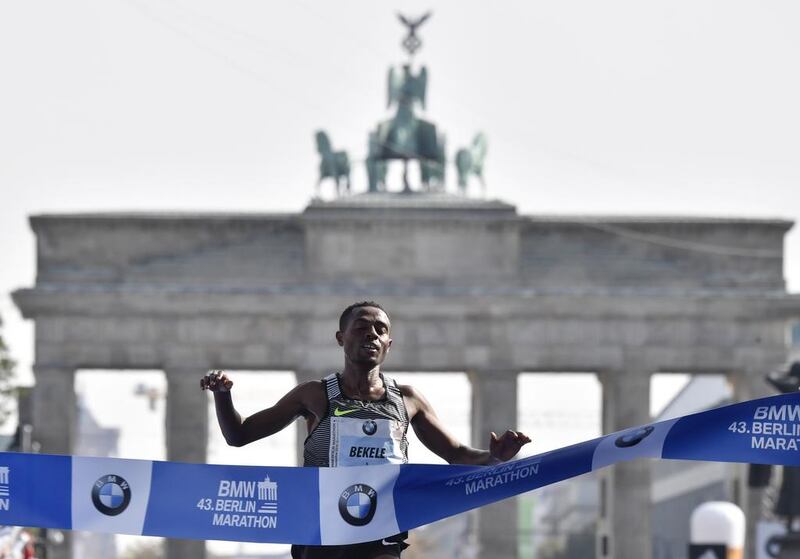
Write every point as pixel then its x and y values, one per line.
pixel 405 87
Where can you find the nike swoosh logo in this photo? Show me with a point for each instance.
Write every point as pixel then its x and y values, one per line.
pixel 338 413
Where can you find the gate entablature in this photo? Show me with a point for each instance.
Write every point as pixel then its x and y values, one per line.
pixel 434 241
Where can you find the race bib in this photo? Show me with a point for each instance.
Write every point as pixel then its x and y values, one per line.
pixel 365 442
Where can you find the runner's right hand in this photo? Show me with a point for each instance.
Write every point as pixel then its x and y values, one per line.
pixel 216 381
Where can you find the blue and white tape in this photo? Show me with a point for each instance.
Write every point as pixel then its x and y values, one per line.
pixel 348 505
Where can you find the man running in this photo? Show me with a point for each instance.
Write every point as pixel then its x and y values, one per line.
pixel 356 417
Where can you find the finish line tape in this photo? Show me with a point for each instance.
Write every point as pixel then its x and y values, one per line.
pixel 332 506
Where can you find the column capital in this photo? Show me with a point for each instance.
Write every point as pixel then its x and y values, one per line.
pixel 634 361
pixel 184 378
pixel 760 359
pixel 492 375
pixel 748 384
pixel 182 357
pixel 626 399
pixel 305 374
pixel 45 369
pixel 609 377
pixel 181 372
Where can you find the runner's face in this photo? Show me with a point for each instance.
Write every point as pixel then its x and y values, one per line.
pixel 366 337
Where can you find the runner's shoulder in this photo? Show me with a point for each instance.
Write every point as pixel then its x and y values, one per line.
pixel 413 398
pixel 312 389
pixel 310 396
pixel 407 390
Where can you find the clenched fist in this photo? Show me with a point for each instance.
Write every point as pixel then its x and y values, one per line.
pixel 216 381
pixel 507 445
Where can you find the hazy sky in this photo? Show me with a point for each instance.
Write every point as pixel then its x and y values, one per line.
pixel 680 107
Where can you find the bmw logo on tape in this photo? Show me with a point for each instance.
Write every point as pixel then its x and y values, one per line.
pixel 111 494
pixel 632 438
pixel 357 504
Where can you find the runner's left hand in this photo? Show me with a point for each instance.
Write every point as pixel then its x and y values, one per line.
pixel 507 445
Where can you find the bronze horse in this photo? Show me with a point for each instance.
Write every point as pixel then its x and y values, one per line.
pixel 333 164
pixel 469 161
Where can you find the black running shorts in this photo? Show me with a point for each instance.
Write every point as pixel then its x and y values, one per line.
pixel 391 546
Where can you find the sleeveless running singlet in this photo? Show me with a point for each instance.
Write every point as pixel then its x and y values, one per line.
pixel 358 433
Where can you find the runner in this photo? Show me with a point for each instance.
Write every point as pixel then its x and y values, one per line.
pixel 356 417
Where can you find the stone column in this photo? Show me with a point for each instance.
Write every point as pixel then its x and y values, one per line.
pixel 54 409
pixel 748 384
pixel 55 429
pixel 187 438
pixel 494 408
pixel 624 523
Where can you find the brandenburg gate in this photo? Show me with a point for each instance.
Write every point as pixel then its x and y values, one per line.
pixel 471 286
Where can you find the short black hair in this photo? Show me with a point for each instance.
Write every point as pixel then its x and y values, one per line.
pixel 345 317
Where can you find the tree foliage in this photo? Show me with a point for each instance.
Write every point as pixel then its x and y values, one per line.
pixel 7 366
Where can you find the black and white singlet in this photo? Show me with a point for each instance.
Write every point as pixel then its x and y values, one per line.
pixel 358 433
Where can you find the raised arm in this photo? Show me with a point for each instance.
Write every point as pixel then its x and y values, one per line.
pixel 301 401
pixel 432 434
